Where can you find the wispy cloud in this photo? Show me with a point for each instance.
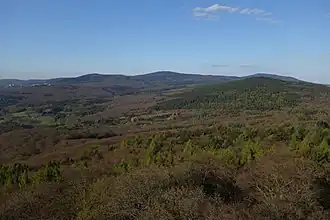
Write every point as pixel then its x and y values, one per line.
pixel 254 11
pixel 248 66
pixel 213 10
pixel 220 65
pixel 242 66
pixel 269 20
pixel 216 8
pixel 205 16
pixel 200 14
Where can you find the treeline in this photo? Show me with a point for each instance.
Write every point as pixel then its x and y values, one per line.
pixel 259 99
pixel 236 145
pixel 8 100
pixel 21 175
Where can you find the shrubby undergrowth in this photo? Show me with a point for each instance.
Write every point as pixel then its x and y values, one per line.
pixel 223 172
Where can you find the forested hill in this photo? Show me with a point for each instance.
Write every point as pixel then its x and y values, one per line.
pixel 253 93
pixel 164 78
pixel 160 78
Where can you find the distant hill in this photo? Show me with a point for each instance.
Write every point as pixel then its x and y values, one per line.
pixel 249 93
pixel 160 78
pixel 93 78
pixel 252 92
pixel 97 86
pixel 274 76
pixel 182 77
pixel 6 82
pixel 174 79
pixel 163 78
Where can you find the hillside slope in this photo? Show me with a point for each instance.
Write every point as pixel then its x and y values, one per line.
pixel 254 93
pixel 274 76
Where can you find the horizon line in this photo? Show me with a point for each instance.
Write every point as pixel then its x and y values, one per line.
pixel 145 73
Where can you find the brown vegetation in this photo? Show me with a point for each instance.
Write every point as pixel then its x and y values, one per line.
pixel 90 160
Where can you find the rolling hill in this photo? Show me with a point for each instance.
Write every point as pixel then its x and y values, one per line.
pixel 251 93
pixel 137 81
pixel 155 79
pixel 105 86
pixel 274 76
pixel 68 153
pixel 174 78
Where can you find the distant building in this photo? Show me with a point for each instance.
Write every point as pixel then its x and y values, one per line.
pixel 47 112
pixel 10 85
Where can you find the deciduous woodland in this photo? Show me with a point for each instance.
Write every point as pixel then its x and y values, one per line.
pixel 245 148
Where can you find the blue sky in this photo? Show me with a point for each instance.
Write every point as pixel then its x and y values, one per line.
pixel 47 38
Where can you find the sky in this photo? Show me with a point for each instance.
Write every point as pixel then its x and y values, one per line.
pixel 48 38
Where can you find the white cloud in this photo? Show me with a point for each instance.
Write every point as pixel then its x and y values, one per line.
pixel 245 11
pixel 204 16
pixel 216 8
pixel 254 11
pixel 220 65
pixel 213 8
pixel 200 14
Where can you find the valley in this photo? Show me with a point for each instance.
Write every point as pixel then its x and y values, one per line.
pixel 165 145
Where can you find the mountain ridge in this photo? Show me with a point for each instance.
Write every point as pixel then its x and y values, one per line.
pixel 141 80
pixel 274 76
